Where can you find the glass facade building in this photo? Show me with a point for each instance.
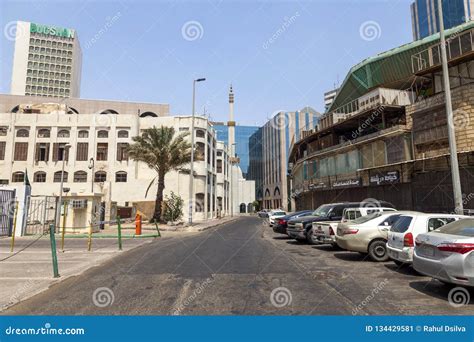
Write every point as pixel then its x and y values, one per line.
pixel 242 136
pixel 425 17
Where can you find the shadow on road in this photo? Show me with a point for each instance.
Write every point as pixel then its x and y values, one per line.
pixel 282 237
pixel 404 269
pixel 328 248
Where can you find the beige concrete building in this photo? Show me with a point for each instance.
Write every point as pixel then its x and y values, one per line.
pixel 47 61
pixel 33 139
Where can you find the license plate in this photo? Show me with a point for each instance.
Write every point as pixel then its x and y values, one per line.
pixel 427 251
pixel 319 231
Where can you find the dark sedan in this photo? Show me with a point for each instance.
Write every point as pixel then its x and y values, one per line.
pixel 281 223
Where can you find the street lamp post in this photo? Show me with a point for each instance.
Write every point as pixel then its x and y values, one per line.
pixel 58 211
pixel 191 169
pixel 456 180
pixel 91 167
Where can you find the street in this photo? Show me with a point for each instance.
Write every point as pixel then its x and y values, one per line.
pixel 242 268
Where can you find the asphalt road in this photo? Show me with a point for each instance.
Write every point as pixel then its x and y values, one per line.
pixel 242 268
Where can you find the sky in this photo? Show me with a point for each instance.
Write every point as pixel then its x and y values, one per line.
pixel 278 55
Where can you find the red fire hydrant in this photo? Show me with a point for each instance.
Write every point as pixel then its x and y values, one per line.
pixel 138 224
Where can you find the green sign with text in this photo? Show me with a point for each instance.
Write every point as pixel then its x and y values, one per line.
pixel 51 30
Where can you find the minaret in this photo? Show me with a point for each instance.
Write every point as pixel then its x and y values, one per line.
pixel 231 123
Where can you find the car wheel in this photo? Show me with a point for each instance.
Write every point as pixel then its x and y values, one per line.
pixel 310 238
pixel 378 251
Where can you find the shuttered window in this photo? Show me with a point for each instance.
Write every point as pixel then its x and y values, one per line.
pixel 2 150
pixel 82 151
pixel 21 151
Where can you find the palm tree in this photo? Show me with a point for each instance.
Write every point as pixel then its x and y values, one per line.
pixel 162 151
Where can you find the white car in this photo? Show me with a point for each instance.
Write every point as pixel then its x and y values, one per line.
pixel 402 235
pixel 275 214
pixel 325 232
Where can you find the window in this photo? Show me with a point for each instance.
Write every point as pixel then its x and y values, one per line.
pixel 102 134
pixel 199 203
pixel 437 222
pixel 121 177
pixel 200 133
pixel 60 152
pixel 44 133
pixel 100 176
pixel 122 151
pixel 22 133
pixel 21 151
pixel 199 153
pixel 102 150
pixel 3 131
pixel 402 224
pixel 18 177
pixel 63 133
pixel 122 134
pixel 39 177
pixel 390 220
pixel 219 166
pixel 80 177
pixel 3 146
pixel 57 176
pixel 42 152
pixel 82 151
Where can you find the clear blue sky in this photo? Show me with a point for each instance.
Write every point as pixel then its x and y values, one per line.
pixel 142 55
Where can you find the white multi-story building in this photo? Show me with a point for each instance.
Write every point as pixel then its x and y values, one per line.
pixel 33 139
pixel 47 61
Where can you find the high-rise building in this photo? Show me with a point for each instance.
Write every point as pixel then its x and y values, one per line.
pixel 329 98
pixel 425 18
pixel 279 134
pixel 255 169
pixel 47 61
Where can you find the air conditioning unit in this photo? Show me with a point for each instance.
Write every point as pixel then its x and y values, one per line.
pixel 79 204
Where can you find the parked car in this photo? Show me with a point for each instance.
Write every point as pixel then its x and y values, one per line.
pixel 447 254
pixel 325 232
pixel 282 223
pixel 263 213
pixel 275 214
pixel 368 234
pixel 301 228
pixel 402 235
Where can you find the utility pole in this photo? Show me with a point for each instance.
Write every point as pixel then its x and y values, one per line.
pixel 191 168
pixel 456 180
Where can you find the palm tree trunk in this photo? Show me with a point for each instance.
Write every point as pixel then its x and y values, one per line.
pixel 159 197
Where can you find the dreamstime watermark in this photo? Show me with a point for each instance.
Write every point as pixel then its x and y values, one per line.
pixel 281 297
pixel 198 291
pixel 104 120
pixel 16 297
pixel 103 297
pixel 287 22
pixel 370 203
pixel 458 297
pixel 367 122
pixel 279 120
pixel 370 30
pixel 11 31
pixel 47 329
pixel 461 119
pixel 109 22
pixel 192 30
pixel 466 198
pixel 378 287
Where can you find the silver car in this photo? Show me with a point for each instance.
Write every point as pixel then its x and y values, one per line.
pixel 447 254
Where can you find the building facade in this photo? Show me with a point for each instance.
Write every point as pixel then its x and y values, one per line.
pixel 391 143
pixel 47 61
pixel 425 18
pixel 329 98
pixel 33 139
pixel 278 135
pixel 242 142
pixel 255 170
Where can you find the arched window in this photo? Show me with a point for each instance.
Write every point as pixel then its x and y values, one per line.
pixel 18 177
pixel 267 193
pixel 122 134
pixel 148 114
pixel 44 133
pixel 102 134
pixel 63 133
pixel 15 109
pixel 39 177
pixel 276 192
pixel 100 176
pixel 83 134
pixel 80 177
pixel 121 177
pixel 200 133
pixel 57 177
pixel 3 131
pixel 199 203
pixel 72 110
pixel 22 133
pixel 109 111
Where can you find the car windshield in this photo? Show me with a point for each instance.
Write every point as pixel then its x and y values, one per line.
pixel 462 227
pixel 322 211
pixel 276 213
pixel 366 218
